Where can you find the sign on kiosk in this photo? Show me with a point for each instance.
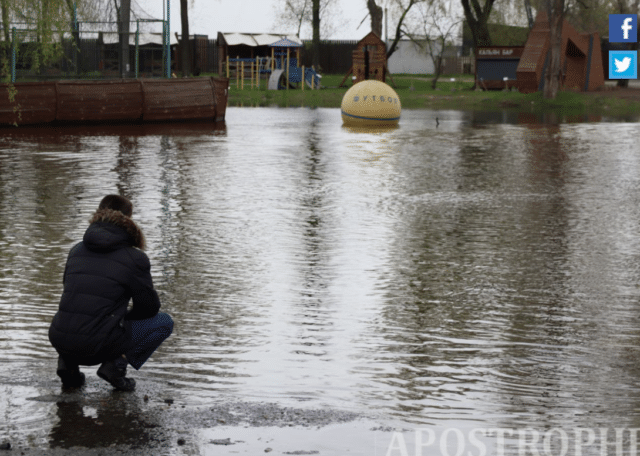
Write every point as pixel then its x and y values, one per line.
pixel 496 52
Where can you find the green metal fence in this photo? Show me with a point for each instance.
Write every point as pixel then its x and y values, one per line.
pixel 89 49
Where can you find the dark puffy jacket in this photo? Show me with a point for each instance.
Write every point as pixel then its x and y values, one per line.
pixel 103 273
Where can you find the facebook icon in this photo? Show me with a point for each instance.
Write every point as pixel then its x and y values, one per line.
pixel 623 28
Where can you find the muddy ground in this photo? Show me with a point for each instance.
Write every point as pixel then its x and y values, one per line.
pixel 39 417
pixel 167 428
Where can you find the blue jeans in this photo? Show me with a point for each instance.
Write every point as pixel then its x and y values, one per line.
pixel 147 335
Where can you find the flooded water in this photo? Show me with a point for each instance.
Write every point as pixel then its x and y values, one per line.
pixel 481 273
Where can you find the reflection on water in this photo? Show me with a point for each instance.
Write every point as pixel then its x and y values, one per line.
pixel 104 424
pixel 481 271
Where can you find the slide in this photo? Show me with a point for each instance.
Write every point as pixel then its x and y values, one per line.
pixel 311 76
pixel 277 80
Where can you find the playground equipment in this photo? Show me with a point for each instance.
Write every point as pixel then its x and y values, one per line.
pixel 245 68
pixel 581 58
pixel 370 103
pixel 285 67
pixel 281 68
pixel 369 60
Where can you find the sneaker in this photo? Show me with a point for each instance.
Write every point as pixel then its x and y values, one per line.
pixel 114 372
pixel 69 374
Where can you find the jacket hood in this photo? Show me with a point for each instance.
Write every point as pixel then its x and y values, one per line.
pixel 111 230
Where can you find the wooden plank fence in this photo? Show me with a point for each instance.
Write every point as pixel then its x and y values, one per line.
pixel 101 60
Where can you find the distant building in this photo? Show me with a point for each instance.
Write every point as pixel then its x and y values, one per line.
pixel 412 57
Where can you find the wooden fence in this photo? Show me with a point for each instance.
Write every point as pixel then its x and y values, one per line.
pixel 102 60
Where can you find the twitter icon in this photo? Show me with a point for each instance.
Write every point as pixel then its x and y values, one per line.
pixel 623 64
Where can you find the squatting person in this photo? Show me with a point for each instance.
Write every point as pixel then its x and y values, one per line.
pixel 94 324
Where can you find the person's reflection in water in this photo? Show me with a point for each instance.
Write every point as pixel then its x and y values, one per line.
pixel 98 425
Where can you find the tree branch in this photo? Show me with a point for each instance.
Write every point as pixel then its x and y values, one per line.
pixel 399 32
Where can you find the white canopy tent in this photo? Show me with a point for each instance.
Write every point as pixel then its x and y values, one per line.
pixel 255 39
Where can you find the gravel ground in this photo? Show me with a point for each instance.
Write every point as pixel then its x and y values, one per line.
pixel 95 420
pixel 163 426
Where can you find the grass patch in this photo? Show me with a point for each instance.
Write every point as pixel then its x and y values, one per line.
pixel 451 93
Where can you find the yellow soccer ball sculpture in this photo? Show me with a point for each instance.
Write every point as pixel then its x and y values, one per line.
pixel 370 102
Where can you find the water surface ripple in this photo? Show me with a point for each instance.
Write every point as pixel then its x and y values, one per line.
pixel 479 272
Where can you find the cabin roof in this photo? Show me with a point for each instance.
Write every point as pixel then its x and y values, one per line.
pixel 371 38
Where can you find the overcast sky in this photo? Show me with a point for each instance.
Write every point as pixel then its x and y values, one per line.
pixel 208 17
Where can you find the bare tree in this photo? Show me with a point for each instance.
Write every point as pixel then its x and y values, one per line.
pixel 320 17
pixel 316 33
pixel 376 14
pixel 435 30
pixel 400 32
pixel 185 52
pixel 4 10
pixel 477 16
pixel 553 76
pixel 124 18
pixel 298 14
pixel 509 12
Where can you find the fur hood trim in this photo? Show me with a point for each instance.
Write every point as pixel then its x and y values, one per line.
pixel 119 219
